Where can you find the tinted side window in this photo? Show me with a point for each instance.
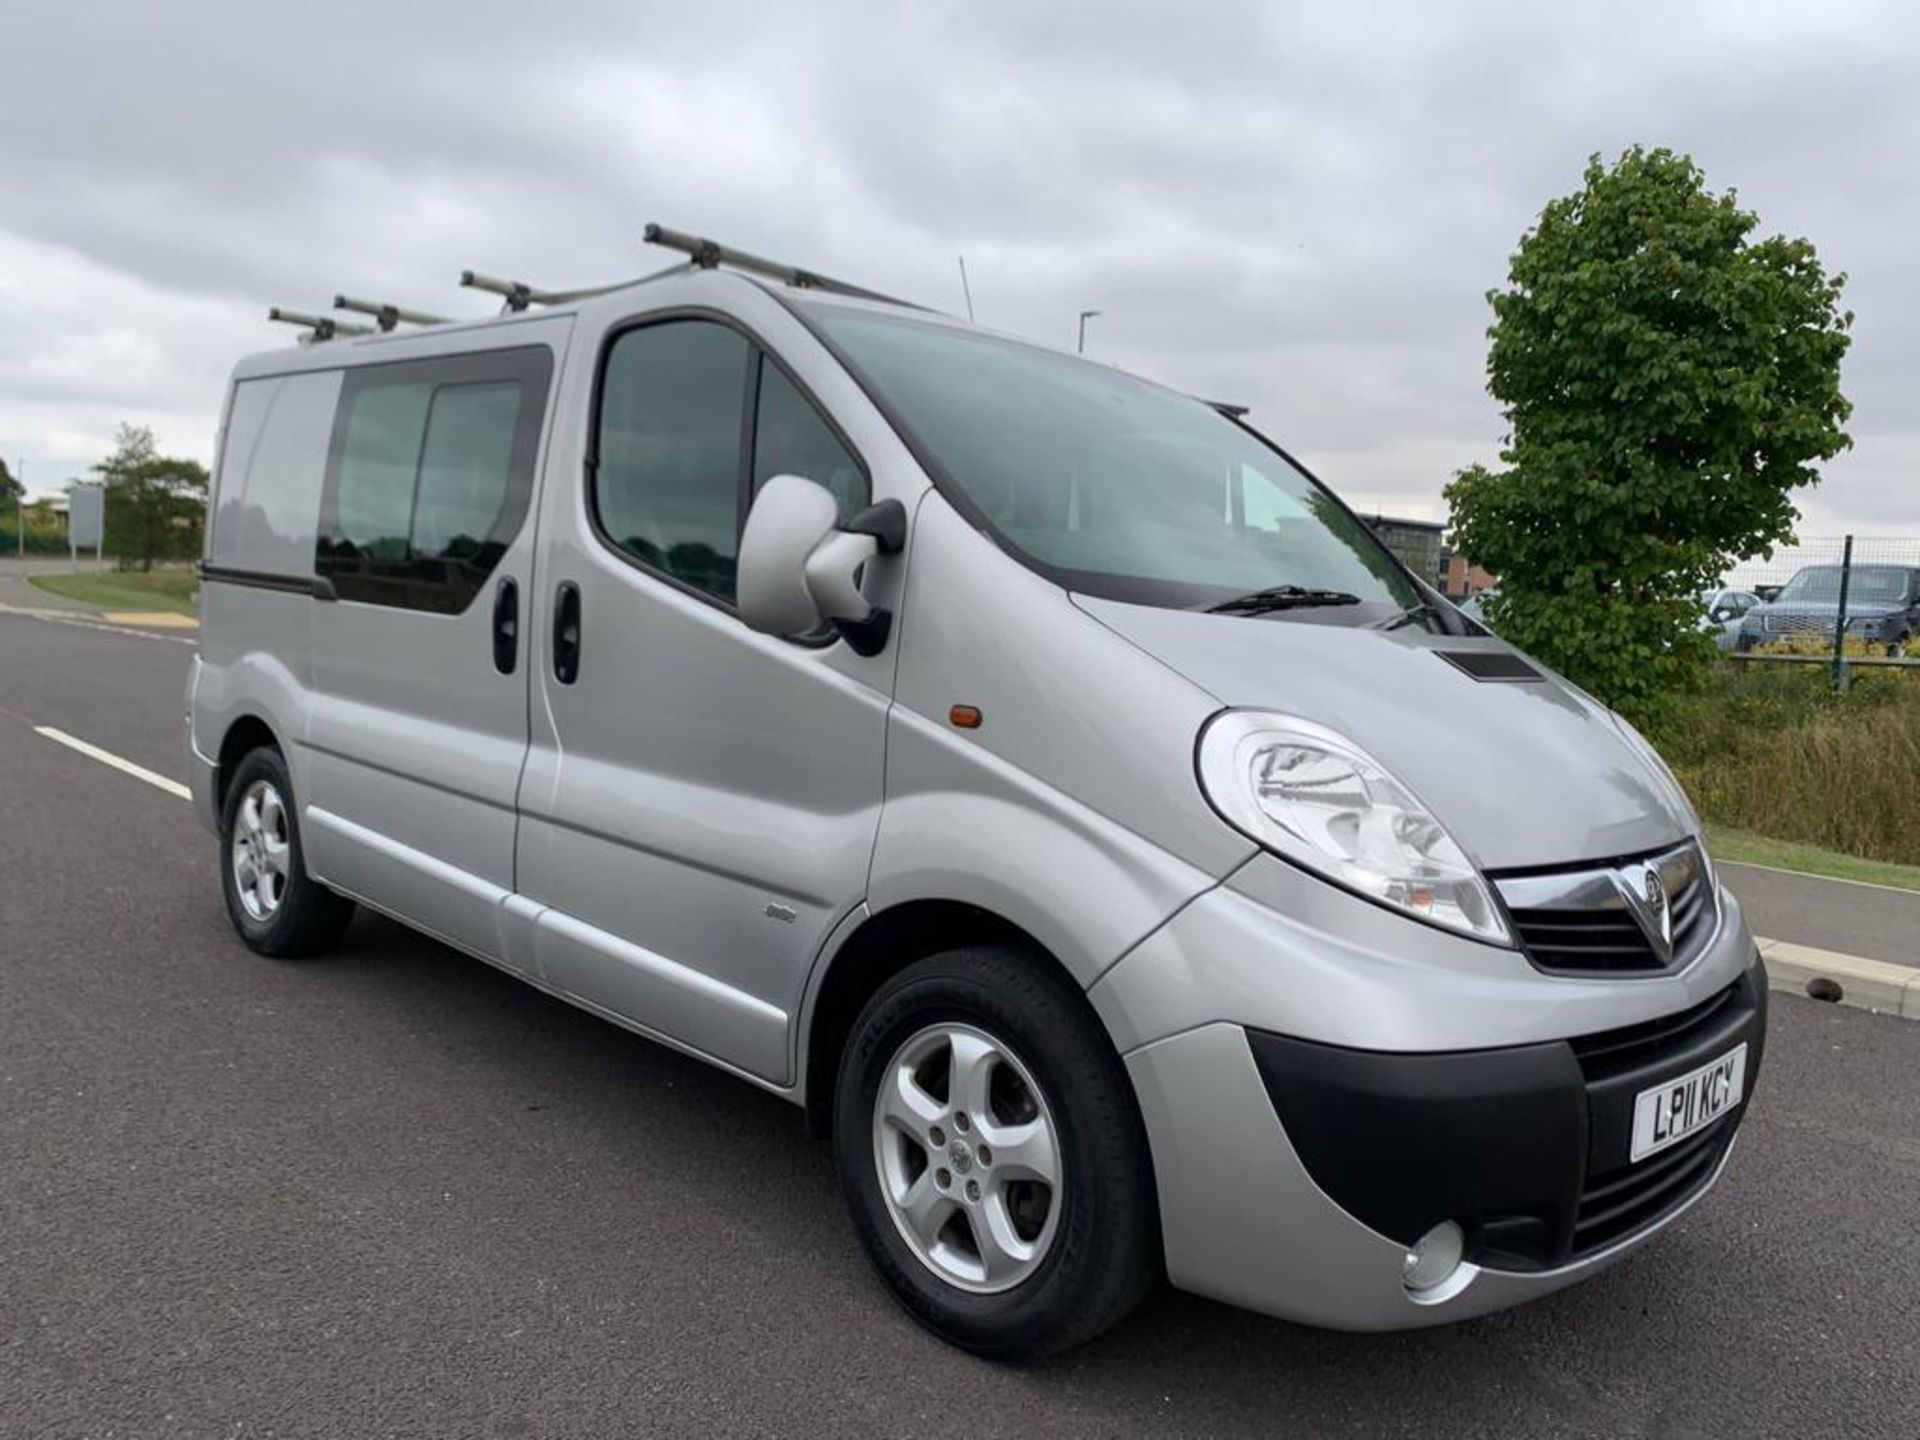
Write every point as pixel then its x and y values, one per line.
pixel 429 476
pixel 466 459
pixel 374 497
pixel 791 438
pixel 669 449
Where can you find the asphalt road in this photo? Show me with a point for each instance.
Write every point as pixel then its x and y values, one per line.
pixel 396 1193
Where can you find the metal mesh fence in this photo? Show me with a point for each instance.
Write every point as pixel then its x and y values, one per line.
pixel 1843 600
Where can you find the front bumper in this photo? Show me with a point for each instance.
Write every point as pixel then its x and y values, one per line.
pixel 1296 1163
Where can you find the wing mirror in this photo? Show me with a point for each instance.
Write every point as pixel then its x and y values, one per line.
pixel 800 566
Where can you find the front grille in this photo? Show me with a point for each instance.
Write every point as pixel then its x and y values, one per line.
pixel 1618 1202
pixel 1615 1052
pixel 1582 923
pixel 1692 918
pixel 1585 940
pixel 1618 1197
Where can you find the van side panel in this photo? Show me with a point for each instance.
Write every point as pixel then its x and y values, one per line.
pixel 254 651
pixel 417 735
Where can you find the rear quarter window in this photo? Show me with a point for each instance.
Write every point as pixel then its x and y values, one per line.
pixel 273 463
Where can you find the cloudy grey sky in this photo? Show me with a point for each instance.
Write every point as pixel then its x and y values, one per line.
pixel 1295 206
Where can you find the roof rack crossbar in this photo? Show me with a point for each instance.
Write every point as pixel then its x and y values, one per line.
pixel 710 254
pixel 319 327
pixel 518 295
pixel 387 316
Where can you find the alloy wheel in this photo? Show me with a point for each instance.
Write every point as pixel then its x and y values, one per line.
pixel 968 1156
pixel 261 851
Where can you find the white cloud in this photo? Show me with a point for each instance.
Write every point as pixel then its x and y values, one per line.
pixel 1299 208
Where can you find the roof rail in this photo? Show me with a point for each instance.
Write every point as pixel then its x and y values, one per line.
pixel 711 254
pixel 518 295
pixel 387 316
pixel 319 327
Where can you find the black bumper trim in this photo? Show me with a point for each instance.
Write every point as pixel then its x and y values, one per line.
pixel 1526 1147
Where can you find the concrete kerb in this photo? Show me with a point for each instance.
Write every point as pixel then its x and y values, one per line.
pixel 1877 985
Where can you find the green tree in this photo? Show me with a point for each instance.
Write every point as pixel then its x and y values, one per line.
pixel 10 489
pixel 1668 383
pixel 156 504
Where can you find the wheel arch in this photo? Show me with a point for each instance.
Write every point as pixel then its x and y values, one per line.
pixel 879 946
pixel 244 734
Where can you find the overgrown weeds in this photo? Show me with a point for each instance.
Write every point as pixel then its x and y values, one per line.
pixel 1774 749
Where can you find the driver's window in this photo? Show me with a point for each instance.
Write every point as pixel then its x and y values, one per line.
pixel 667 485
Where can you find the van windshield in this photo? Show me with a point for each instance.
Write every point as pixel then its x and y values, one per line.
pixel 1111 485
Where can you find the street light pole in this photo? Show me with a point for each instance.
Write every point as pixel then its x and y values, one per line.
pixel 1085 315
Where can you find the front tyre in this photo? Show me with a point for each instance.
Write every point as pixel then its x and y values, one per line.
pixel 991 1155
pixel 276 906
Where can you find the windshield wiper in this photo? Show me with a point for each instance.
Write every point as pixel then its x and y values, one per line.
pixel 1418 610
pixel 1281 597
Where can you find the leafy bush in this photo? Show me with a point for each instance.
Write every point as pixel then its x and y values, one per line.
pixel 1775 749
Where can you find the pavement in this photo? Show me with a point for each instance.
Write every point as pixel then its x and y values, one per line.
pixel 396 1193
pixel 1869 920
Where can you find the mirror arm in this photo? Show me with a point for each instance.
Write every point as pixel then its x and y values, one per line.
pixel 830 575
pixel 886 522
pixel 868 636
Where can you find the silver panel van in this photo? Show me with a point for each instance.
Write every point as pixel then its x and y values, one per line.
pixel 1031 772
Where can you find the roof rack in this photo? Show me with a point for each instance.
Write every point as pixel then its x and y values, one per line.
pixel 711 254
pixel 319 327
pixel 387 316
pixel 518 295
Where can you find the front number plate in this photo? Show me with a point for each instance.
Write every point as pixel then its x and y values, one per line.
pixel 1673 1110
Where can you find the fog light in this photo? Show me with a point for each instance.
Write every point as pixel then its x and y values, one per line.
pixel 1434 1256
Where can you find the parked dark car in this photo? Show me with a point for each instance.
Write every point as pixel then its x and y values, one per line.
pixel 1883 607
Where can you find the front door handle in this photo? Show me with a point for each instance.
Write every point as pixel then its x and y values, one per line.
pixel 566 632
pixel 506 626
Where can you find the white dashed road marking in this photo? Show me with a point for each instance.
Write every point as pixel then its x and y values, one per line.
pixel 107 757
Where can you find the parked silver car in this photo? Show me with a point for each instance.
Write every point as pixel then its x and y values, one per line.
pixel 1031 772
pixel 1721 611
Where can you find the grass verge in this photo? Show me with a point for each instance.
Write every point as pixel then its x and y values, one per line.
pixel 174 590
pixel 1743 846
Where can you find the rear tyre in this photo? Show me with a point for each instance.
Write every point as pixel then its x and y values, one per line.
pixel 276 906
pixel 992 1158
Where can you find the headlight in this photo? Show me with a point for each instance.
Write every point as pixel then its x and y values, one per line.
pixel 1318 799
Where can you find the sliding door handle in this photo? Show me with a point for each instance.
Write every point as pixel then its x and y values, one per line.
pixel 506 626
pixel 566 632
